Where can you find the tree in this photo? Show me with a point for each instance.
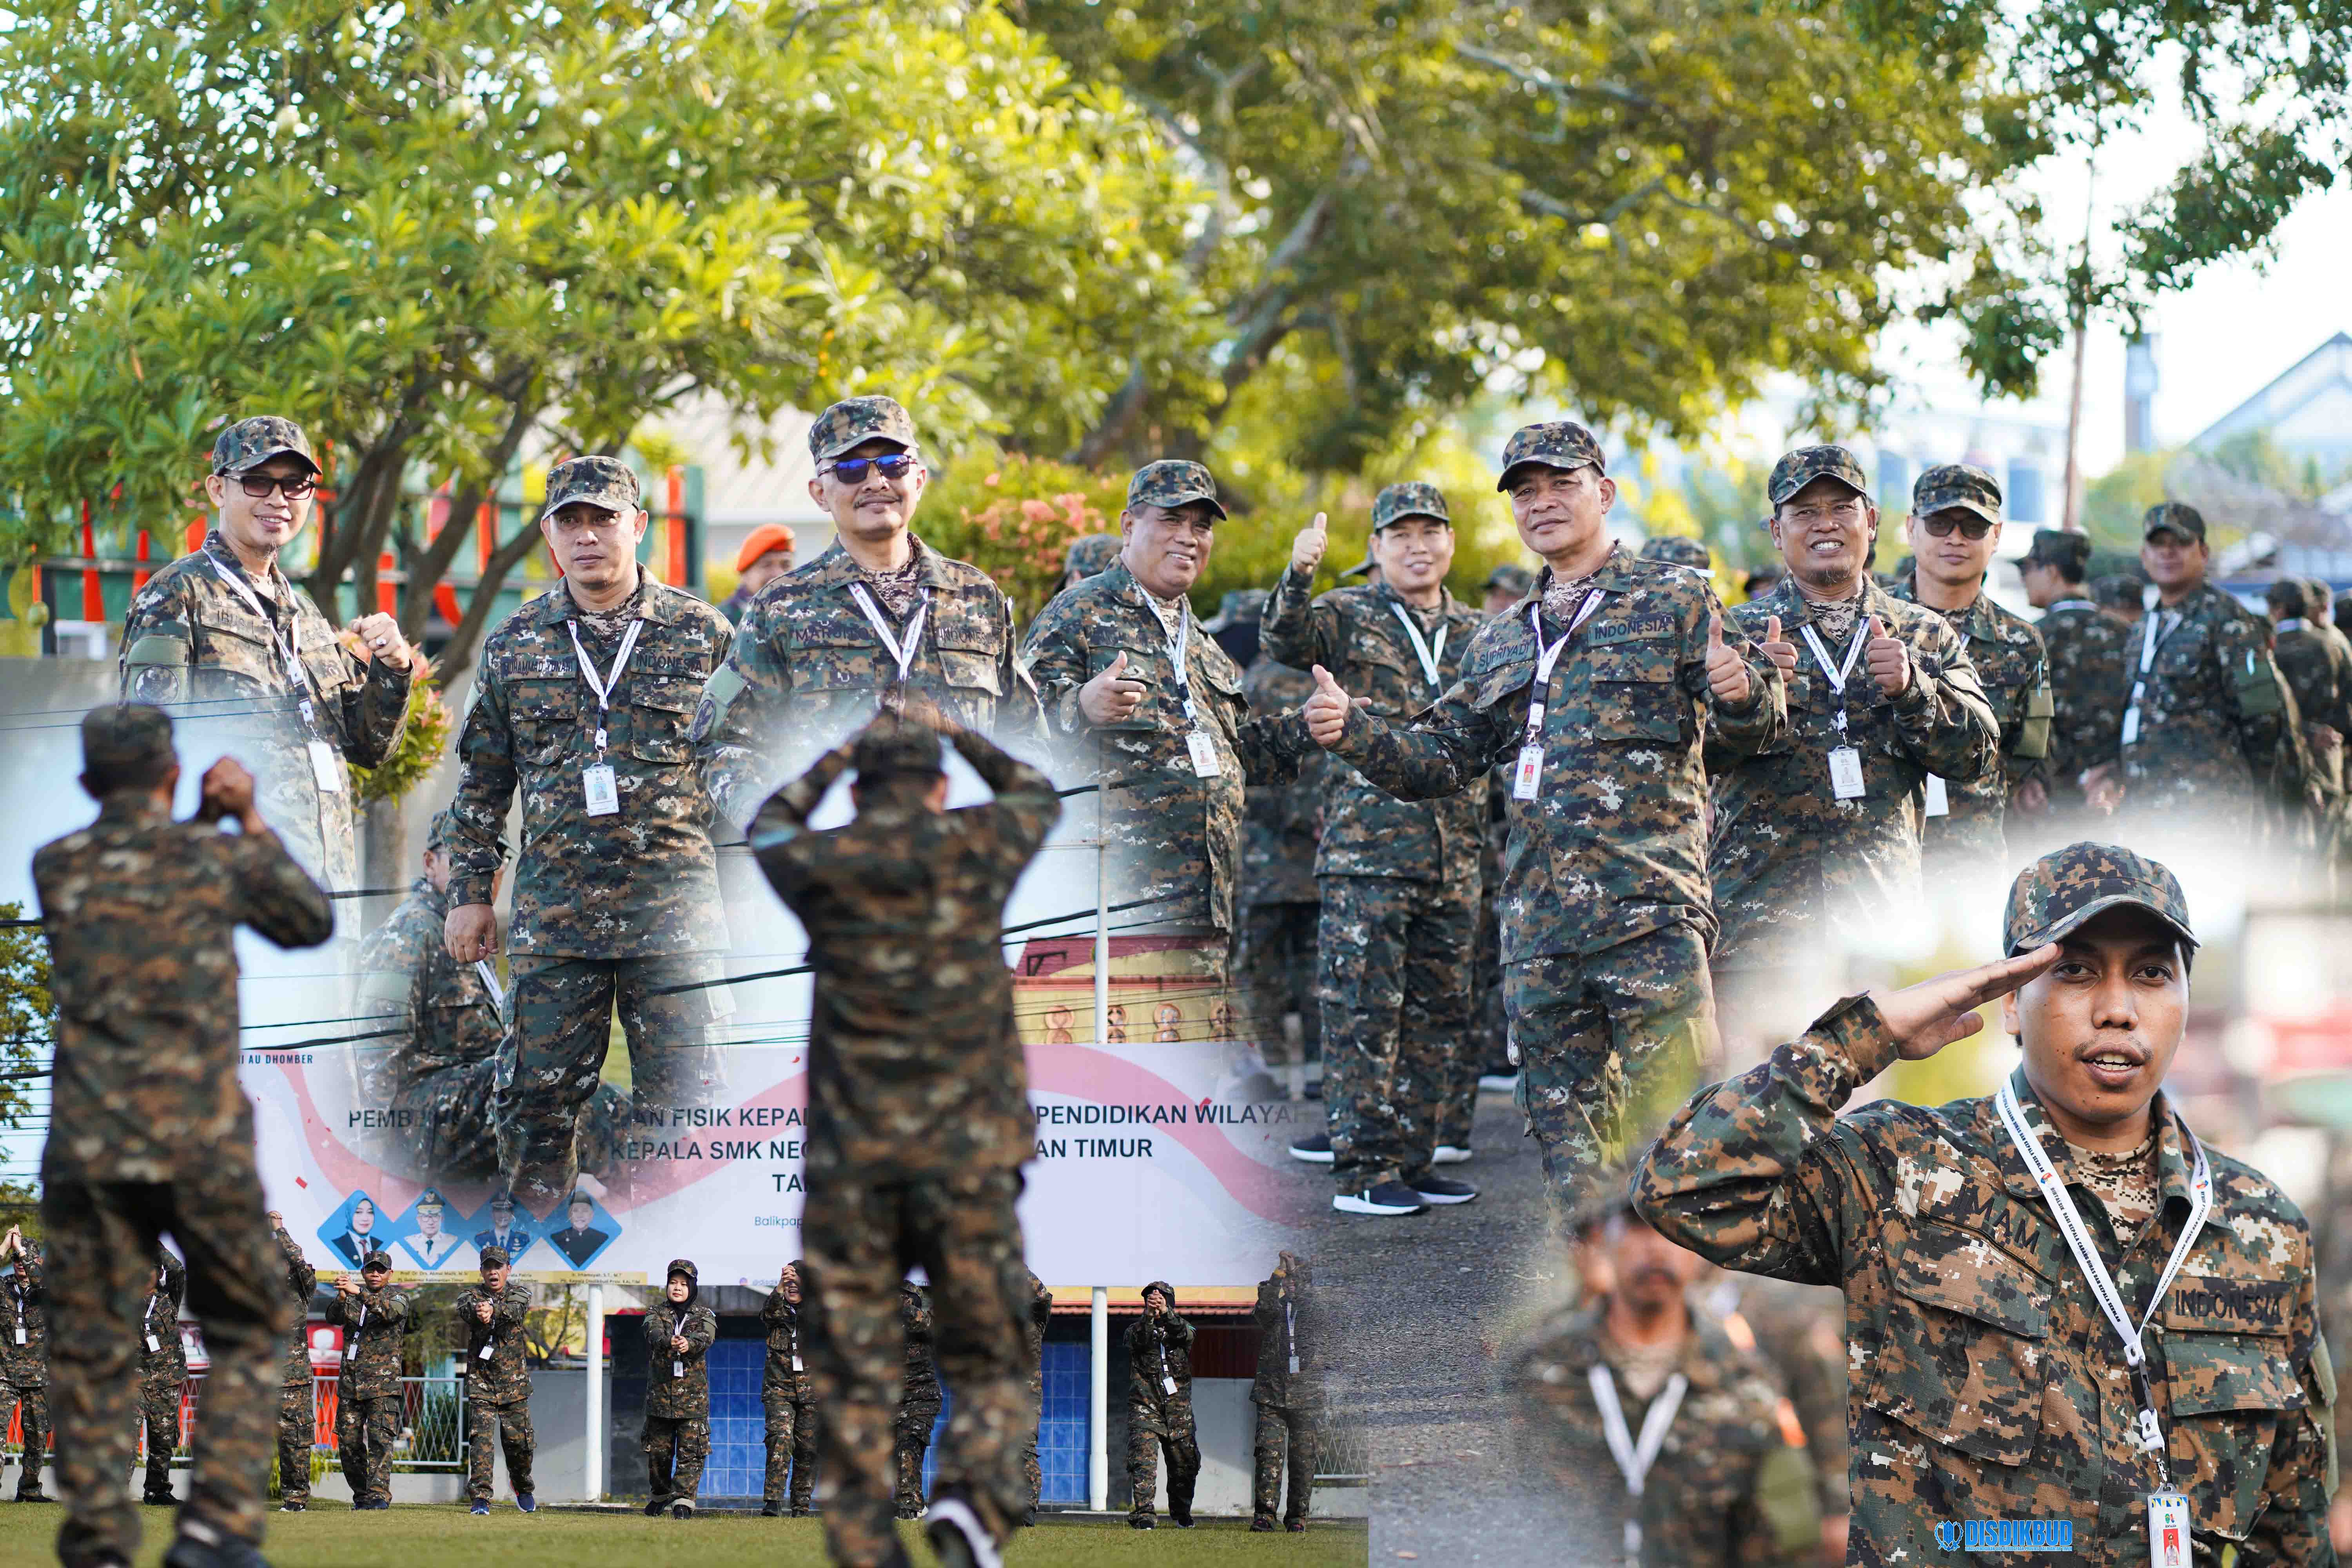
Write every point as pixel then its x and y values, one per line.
pixel 444 237
pixel 28 1014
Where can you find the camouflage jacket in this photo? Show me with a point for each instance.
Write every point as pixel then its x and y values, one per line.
pixel 787 1365
pixel 1798 1332
pixel 807 671
pixel 1174 837
pixel 24 1309
pixel 2014 671
pixel 1160 1348
pixel 375 1331
pixel 641 882
pixel 2087 690
pixel 922 1373
pixel 1786 852
pixel 1728 1489
pixel 504 1375
pixel 140 911
pixel 1355 633
pixel 1033 1327
pixel 1289 1323
pixel 1987 1384
pixel 2319 674
pixel 193 646
pixel 161 1323
pixel 677 1387
pixel 2214 725
pixel 1281 824
pixel 406 969
pixel 915 1063
pixel 1614 845
pixel 301 1284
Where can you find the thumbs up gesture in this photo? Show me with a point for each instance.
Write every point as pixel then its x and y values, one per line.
pixel 1327 710
pixel 1306 550
pixel 1112 696
pixel 1778 648
pixel 1726 672
pixel 1889 661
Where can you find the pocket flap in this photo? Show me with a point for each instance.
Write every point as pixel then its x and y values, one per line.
pixel 2209 1373
pixel 971 671
pixel 1961 1271
pixel 670 694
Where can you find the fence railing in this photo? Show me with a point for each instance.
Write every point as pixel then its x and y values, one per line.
pixel 432 1434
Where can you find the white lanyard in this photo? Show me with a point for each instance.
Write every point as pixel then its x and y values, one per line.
pixel 606 687
pixel 1178 641
pixel 1833 673
pixel 1290 1335
pixel 296 671
pixel 902 650
pixel 1634 1459
pixel 1548 655
pixel 2148 643
pixel 2072 604
pixel 1428 654
pixel 2095 1269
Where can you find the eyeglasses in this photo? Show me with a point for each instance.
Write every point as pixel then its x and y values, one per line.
pixel 1971 527
pixel 893 466
pixel 293 487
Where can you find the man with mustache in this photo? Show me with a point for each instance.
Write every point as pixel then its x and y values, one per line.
pixel 2061 1306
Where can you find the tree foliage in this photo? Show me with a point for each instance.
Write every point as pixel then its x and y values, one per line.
pixel 28 1014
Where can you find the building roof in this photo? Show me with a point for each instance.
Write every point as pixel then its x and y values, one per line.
pixel 2306 408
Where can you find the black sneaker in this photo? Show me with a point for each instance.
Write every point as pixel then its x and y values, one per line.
pixel 771 1510
pixel 957 1535
pixel 528 1503
pixel 294 1505
pixel 654 1509
pixel 1315 1151
pixel 1142 1521
pixel 1389 1198
pixel 1437 1189
pixel 1181 1520
pixel 1262 1525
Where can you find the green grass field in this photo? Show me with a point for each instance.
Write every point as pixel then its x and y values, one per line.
pixel 428 1536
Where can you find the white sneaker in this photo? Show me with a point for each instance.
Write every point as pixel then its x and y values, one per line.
pixel 1389 1199
pixel 1448 1154
pixel 957 1536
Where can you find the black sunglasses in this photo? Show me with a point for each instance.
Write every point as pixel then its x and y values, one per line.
pixel 1970 527
pixel 853 470
pixel 293 487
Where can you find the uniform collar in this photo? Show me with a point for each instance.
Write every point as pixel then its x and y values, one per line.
pixel 1706 1352
pixel 835 567
pixel 1449 607
pixel 659 604
pixel 216 546
pixel 1789 603
pixel 2173 1163
pixel 132 809
pixel 1612 575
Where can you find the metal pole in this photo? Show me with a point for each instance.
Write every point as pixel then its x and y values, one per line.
pixel 595 1357
pixel 1102 924
pixel 2069 513
pixel 1098 1407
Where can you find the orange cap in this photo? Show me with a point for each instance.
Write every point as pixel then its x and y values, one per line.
pixel 766 537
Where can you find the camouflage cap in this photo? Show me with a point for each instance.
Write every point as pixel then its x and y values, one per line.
pixel 1510 579
pixel 1800 468
pixel 436 837
pixel 2065 887
pixel 2119 592
pixel 604 482
pixel 1090 554
pixel 893 745
pixel 125 735
pixel 854 421
pixel 1167 1292
pixel 1173 482
pixel 1964 486
pixel 685 1266
pixel 377 1258
pixel 1676 552
pixel 495 1257
pixel 2176 517
pixel 1240 605
pixel 1410 498
pixel 1557 444
pixel 250 443
pixel 2056 547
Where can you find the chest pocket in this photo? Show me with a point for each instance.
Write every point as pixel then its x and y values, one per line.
pixel 1965 1360
pixel 2230 1386
pixel 1391 676
pixel 1634 696
pixel 2179 656
pixel 661 715
pixel 1494 675
pixel 967 641
pixel 543 715
pixel 1160 708
pixel 330 671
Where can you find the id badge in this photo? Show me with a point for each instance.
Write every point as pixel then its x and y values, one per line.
pixel 2131 725
pixel 1845 773
pixel 486 1350
pixel 1940 803
pixel 324 769
pixel 153 1344
pixel 1294 1366
pixel 1528 774
pixel 603 795
pixel 20 1333
pixel 2167 1530
pixel 796 1363
pixel 1204 754
pixel 1168 1384
pixel 677 1369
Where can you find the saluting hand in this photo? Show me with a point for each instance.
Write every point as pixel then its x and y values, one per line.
pixel 1726 672
pixel 1306 550
pixel 1889 660
pixel 1112 696
pixel 1778 648
pixel 1926 1018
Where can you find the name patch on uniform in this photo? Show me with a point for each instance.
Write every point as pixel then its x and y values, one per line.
pixel 2240 1306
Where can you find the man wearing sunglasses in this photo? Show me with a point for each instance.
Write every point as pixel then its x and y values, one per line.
pixel 224 638
pixel 878 615
pixel 1954 530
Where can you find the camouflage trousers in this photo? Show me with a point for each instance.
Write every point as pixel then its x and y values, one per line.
pixel 448 1126
pixel 1150 1428
pixel 676 1447
pixel 1488 1024
pixel 297 1434
pixel 858 1239
pixel 365 1428
pixel 1610 1044
pixel 792 1447
pixel 563 1010
pixel 33 1400
pixel 1281 1427
pixel 503 1425
pixel 158 1419
pixel 103 1240
pixel 1394 978
pixel 911 1439
pixel 1274 972
pixel 1031 1471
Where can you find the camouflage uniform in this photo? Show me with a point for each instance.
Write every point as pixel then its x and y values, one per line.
pixel 1729 1487
pixel 1604 911
pixel 367 1391
pixel 919 1112
pixel 1799 1330
pixel 1288 1394
pixel 1174 837
pixel 2319 674
pixel 1032 1348
pixel 1987 1383
pixel 2085 648
pixel 788 1398
pixel 197 646
pixel 920 1400
pixel 1160 1410
pixel 1089 554
pixel 298 1394
pixel 1399 879
pixel 24 1368
pixel 622 903
pixel 677 1438
pixel 808 668
pixel 163 1373
pixel 498 1385
pixel 1274 944
pixel 138 911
